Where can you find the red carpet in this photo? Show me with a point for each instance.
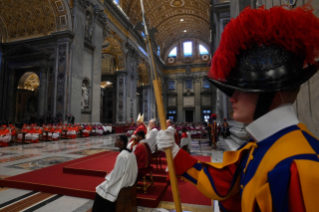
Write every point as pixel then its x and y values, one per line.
pixel 79 178
pixel 98 166
pixel 53 180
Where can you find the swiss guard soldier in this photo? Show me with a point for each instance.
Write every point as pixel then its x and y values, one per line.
pixel 225 128
pixel 263 58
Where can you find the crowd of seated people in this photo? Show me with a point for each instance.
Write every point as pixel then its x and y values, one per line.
pixel 50 132
pixel 6 133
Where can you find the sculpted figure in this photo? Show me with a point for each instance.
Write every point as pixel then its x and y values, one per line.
pixel 85 96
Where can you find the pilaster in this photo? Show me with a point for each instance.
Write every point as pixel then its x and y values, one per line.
pixel 180 111
pixel 42 103
pixel 121 100
pixel 10 112
pixel 197 89
pixel 146 89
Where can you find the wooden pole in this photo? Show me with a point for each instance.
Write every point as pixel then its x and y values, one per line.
pixel 168 152
pixel 161 115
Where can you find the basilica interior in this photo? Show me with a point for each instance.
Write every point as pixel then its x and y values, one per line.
pixel 91 59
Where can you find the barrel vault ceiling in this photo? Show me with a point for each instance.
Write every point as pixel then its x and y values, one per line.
pixel 174 19
pixel 24 19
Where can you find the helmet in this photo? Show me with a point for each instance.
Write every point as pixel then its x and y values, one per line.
pixel 267 50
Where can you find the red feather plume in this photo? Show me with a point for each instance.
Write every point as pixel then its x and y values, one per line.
pixel 296 30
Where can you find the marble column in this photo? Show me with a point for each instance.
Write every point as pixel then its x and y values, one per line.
pixel 146 89
pixel 77 60
pixel 42 90
pixel 11 98
pixel 164 94
pixel 121 100
pixel 2 85
pixel 180 111
pixel 152 104
pixel 128 96
pixel 236 6
pixel 61 78
pixel 197 89
pixel 99 24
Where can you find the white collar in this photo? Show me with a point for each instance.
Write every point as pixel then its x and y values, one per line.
pixel 272 122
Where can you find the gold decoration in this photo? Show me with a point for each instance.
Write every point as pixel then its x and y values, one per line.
pixel 31 18
pixel 115 49
pixel 143 73
pixel 166 17
pixel 31 83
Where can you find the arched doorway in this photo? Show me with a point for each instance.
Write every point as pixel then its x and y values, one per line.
pixel 107 102
pixel 27 97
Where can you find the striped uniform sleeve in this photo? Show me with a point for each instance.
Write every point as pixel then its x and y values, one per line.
pixel 218 183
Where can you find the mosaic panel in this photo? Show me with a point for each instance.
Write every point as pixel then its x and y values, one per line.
pixel 61 149
pixel 41 163
pixel 20 157
pixel 6 153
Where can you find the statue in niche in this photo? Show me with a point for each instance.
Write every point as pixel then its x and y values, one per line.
pixel 85 96
pixel 88 26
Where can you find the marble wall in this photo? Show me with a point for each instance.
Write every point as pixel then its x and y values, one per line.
pixel 182 99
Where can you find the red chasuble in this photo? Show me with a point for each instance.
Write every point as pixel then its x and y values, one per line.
pixel 143 155
pixel 141 127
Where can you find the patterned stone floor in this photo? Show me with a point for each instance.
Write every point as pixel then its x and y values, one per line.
pixel 19 159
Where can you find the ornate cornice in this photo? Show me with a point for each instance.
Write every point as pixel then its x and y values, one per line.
pixel 84 4
pixel 114 8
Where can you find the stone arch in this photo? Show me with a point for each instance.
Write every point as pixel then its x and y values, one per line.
pixel 27 96
pixel 113 46
pixel 20 20
pixel 143 73
pixel 29 81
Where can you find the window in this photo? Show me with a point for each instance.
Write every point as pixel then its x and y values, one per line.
pixel 171 118
pixel 188 84
pixel 202 50
pixel 171 85
pixel 142 50
pixel 188 50
pixel 158 51
pixel 173 52
pixel 143 34
pixel 206 84
pixel 117 1
pixel 206 114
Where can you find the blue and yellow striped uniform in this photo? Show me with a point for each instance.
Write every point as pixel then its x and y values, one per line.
pixel 280 173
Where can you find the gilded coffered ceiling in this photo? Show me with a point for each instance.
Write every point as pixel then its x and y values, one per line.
pixel 23 19
pixel 166 16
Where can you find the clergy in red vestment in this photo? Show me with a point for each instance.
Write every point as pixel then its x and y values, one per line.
pixel 142 151
pixel 140 124
pixel 5 136
pixel 140 127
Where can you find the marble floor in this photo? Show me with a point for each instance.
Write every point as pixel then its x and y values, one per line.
pixel 19 159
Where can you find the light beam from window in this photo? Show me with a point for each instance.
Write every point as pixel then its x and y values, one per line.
pixel 173 52
pixel 202 50
pixel 188 50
